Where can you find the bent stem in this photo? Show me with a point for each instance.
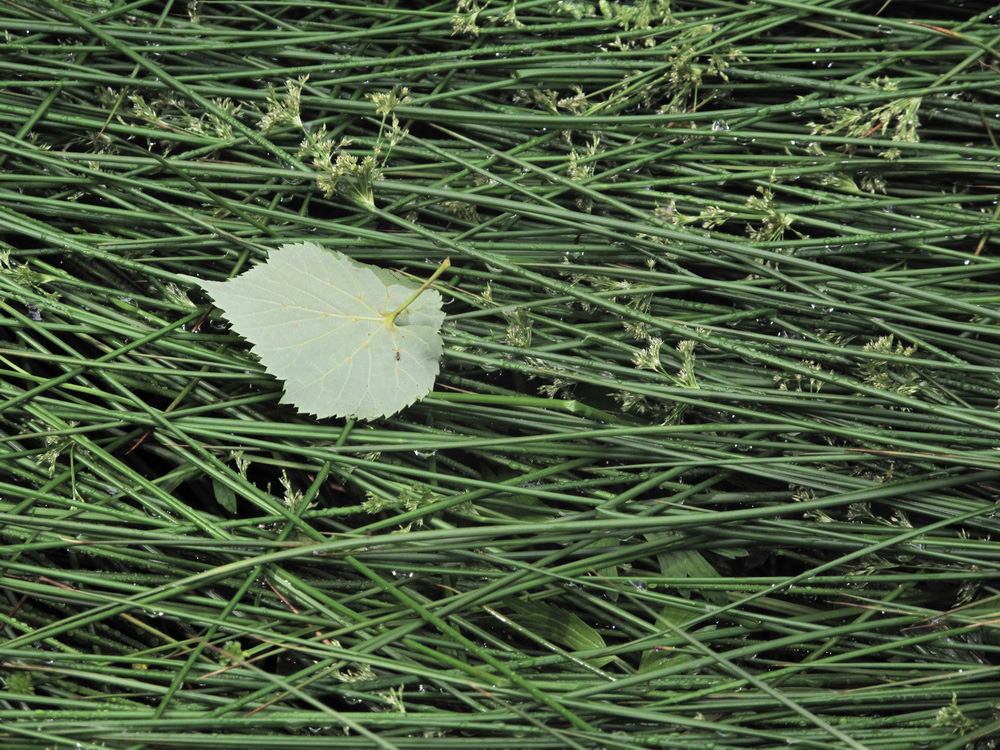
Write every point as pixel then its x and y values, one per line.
pixel 445 265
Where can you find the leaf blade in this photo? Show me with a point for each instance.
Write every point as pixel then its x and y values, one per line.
pixel 318 321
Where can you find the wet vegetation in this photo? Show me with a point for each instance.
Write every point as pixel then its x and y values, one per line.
pixel 712 460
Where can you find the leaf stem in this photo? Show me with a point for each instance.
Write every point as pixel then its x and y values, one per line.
pixel 445 265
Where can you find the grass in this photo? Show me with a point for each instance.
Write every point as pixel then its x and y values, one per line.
pixel 712 459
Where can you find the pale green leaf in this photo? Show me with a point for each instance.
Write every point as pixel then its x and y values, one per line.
pixel 320 322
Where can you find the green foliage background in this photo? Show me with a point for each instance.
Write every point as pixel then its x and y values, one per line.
pixel 712 460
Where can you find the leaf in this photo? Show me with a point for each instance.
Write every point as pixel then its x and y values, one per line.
pixel 224 495
pixel 678 618
pixel 558 625
pixel 680 563
pixel 323 323
pixel 688 563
